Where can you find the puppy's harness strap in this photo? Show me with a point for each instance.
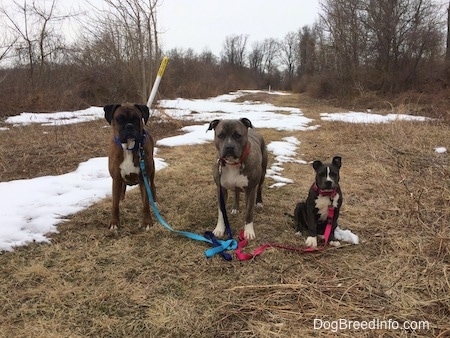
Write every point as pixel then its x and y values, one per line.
pixel 242 256
pixel 219 246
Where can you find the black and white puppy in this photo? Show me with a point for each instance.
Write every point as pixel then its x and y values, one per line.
pixel 312 214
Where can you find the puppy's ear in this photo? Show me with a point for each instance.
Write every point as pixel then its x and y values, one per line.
pixel 337 161
pixel 213 125
pixel 144 110
pixel 109 110
pixel 317 164
pixel 246 122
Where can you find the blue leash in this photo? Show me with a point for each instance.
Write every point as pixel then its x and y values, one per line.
pixel 219 246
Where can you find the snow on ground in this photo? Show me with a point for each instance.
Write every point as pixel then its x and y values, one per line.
pixel 359 117
pixel 31 209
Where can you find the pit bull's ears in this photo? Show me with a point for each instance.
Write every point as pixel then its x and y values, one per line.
pixel 337 161
pixel 213 125
pixel 109 110
pixel 246 122
pixel 317 164
pixel 144 110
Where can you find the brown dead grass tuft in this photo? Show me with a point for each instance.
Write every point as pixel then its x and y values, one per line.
pixel 90 282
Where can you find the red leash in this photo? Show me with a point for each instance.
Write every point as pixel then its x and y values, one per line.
pixel 242 256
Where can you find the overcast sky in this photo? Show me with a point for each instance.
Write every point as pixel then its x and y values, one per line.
pixel 205 24
pixel 201 24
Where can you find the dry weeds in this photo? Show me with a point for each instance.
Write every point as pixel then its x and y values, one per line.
pixel 92 283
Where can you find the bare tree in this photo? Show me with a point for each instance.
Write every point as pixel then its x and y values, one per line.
pixel 402 34
pixel 256 57
pixel 385 38
pixel 234 48
pixel 125 36
pixel 289 54
pixel 271 49
pixel 306 51
pixel 344 21
pixel 447 51
pixel 36 26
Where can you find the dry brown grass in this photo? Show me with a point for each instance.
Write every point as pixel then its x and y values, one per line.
pixel 89 282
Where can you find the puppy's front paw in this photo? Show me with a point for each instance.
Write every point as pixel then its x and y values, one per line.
pixel 219 230
pixel 249 232
pixel 311 242
pixel 335 243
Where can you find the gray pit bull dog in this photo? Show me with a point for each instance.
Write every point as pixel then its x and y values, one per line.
pixel 241 166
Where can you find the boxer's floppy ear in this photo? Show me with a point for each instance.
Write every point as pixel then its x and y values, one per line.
pixel 109 111
pixel 246 122
pixel 337 161
pixel 213 125
pixel 144 110
pixel 316 165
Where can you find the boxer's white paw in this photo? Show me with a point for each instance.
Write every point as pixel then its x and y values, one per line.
pixel 259 205
pixel 113 227
pixel 249 232
pixel 147 228
pixel 335 243
pixel 311 242
pixel 234 211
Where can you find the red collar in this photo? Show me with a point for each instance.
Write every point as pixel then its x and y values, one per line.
pixel 330 193
pixel 241 159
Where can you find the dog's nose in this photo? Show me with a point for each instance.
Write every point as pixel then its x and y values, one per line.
pixel 229 149
pixel 328 184
pixel 129 126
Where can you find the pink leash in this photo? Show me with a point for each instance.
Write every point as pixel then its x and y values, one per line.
pixel 242 256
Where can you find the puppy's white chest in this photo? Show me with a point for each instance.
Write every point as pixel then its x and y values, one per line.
pixel 322 204
pixel 232 178
pixel 127 167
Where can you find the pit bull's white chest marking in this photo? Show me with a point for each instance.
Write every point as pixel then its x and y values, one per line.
pixel 232 178
pixel 127 167
pixel 322 204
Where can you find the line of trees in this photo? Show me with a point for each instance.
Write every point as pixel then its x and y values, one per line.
pixel 357 46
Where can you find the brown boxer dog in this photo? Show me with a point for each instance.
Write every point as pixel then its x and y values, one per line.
pixel 129 134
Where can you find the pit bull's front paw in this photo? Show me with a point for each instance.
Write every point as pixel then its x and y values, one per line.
pixel 311 242
pixel 249 232
pixel 219 230
pixel 335 243
pixel 259 205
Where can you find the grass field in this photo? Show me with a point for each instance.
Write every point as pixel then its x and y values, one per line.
pixel 90 282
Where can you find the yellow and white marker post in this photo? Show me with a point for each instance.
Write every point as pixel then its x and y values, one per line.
pixel 161 70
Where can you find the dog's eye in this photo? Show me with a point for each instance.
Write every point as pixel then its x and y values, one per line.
pixel 135 120
pixel 221 136
pixel 334 175
pixel 120 119
pixel 237 136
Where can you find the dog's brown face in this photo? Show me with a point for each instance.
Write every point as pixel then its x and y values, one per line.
pixel 127 120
